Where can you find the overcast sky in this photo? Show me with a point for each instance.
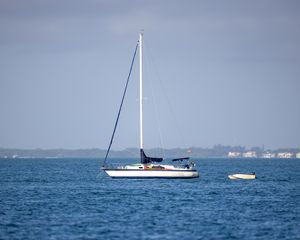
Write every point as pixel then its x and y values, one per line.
pixel 216 72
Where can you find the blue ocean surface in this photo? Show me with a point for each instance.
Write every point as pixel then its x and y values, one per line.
pixel 70 199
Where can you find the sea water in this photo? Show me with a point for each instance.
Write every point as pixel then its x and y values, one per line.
pixel 70 199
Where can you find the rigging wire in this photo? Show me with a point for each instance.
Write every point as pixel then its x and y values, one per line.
pixel 168 100
pixel 156 110
pixel 120 108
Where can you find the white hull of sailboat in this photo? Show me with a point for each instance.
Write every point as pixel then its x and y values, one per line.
pixel 126 173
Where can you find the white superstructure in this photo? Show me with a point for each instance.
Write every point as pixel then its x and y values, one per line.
pixel 234 154
pixel 268 155
pixel 285 155
pixel 250 154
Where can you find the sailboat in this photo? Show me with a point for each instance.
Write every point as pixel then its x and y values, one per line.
pixel 149 167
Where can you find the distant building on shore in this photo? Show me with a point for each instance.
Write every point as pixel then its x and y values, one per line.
pixel 249 154
pixel 234 154
pixel 298 155
pixel 285 155
pixel 268 155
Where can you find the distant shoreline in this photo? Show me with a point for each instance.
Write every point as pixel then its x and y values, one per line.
pixel 126 158
pixel 217 151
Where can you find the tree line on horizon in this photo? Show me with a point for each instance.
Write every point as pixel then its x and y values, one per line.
pixel 216 151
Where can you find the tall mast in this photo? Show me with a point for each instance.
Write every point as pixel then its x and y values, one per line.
pixel 141 90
